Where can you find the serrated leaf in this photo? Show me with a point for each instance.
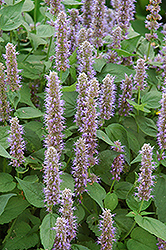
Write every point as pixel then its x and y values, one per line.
pixel 97 193
pixel 111 201
pixel 93 224
pixel 67 182
pixel 147 125
pixel 4 153
pixel 4 198
pixel 45 31
pixel 28 113
pixel 6 182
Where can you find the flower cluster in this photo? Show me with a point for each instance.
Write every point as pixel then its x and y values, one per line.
pixel 54 113
pixel 55 6
pixel 99 23
pixel 62 44
pixel 116 40
pixel 85 35
pixel 87 13
pixel 161 244
pixel 67 213
pixel 152 19
pixel 127 89
pixel 80 168
pixel 86 59
pixel 16 142
pixel 161 136
pixel 107 97
pixel 139 78
pixel 51 178
pixel 145 179
pixel 110 20
pixel 73 29
pixel 5 109
pixel 108 235
pixel 117 165
pixel 13 79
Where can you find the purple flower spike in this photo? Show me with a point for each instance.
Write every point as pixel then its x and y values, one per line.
pixel 87 13
pixel 161 136
pixel 54 113
pixel 127 89
pixel 13 79
pixel 67 213
pixel 117 165
pixel 51 178
pixel 5 109
pixel 116 40
pixel 16 142
pixel 55 6
pixel 161 244
pixel 108 235
pixel 139 78
pixel 86 59
pixel 74 23
pixel 152 19
pixel 145 179
pixel 61 241
pixel 107 98
pixel 110 20
pixel 62 44
pixel 80 168
pixel 99 23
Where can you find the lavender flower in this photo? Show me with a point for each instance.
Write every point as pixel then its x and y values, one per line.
pixel 80 168
pixel 74 24
pixel 86 59
pixel 116 40
pixel 107 238
pixel 161 244
pixel 139 78
pixel 127 88
pixel 51 178
pixel 55 6
pixel 16 142
pixel 61 241
pixel 107 98
pixel 67 213
pixel 13 79
pixel 117 165
pixel 114 3
pixel 161 136
pixel 110 20
pixel 145 179
pixel 5 109
pixel 125 13
pixel 151 20
pixel 99 23
pixel 62 45
pixel 54 113
pixel 87 13
pixel 89 121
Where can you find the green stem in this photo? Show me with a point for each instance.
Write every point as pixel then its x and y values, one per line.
pixel 132 227
pixel 142 202
pixel 48 52
pixel 35 16
pixel 112 185
pixel 28 54
pixel 11 36
pixel 10 231
pixel 85 207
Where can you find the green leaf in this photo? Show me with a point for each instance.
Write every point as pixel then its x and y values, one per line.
pixel 22 238
pixel 71 2
pixel 4 153
pixel 137 106
pixel 45 31
pixel 33 192
pixel 99 64
pixel 30 70
pixel 123 222
pixel 47 234
pixel 28 113
pixel 124 53
pixel 6 182
pixel 97 193
pixel 11 18
pixel 70 103
pixel 26 95
pixel 101 135
pixel 116 132
pixel 33 142
pixel 28 6
pixel 4 134
pixel 36 40
pixel 93 224
pixel 134 203
pixel 121 189
pixel 4 200
pixel 79 213
pixel 111 201
pixel 147 125
pixel 141 240
pixel 159 197
pixel 67 182
pixel 70 88
pixel 78 247
pixel 152 99
pixel 14 98
pixel 152 225
pixel 14 207
pixel 116 70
